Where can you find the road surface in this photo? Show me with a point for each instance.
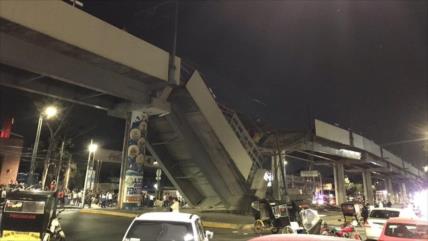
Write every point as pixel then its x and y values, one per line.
pixel 89 227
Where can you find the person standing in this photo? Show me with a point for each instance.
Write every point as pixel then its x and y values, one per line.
pixel 365 213
pixel 61 197
pixel 109 199
pixel 52 186
pixel 175 206
pixel 2 194
pixel 103 200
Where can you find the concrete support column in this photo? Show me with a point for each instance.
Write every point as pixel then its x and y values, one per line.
pixel 339 183
pixel 276 177
pixel 135 153
pixel 367 185
pixel 403 192
pixel 389 189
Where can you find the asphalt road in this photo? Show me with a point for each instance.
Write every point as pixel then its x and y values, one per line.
pixel 89 227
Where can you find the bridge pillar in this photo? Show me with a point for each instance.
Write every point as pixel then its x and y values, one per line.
pixel 403 192
pixel 134 148
pixel 389 189
pixel 367 185
pixel 339 183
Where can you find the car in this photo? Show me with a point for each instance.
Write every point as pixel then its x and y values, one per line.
pixel 297 237
pixel 167 226
pixel 405 229
pixel 379 216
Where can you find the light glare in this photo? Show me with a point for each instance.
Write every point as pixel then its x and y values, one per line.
pixel 50 112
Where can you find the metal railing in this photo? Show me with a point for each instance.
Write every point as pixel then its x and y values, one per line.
pixel 243 135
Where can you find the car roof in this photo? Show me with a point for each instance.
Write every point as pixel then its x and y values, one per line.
pixel 297 237
pixel 167 216
pixel 416 221
pixel 388 209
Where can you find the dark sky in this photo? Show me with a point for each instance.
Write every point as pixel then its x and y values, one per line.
pixel 361 64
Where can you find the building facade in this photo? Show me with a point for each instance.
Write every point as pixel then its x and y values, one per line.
pixel 10 157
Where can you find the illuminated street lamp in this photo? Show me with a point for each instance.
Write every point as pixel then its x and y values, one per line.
pixel 92 148
pixel 48 113
pixel 426 168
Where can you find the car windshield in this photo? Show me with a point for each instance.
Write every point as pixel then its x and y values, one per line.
pixel 408 231
pixel 384 214
pixel 24 206
pixel 159 231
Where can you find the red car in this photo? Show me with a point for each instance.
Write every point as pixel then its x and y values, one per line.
pixel 405 229
pixel 297 237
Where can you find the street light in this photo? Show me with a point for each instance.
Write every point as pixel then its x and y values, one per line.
pixel 49 112
pixel 92 148
pixel 426 168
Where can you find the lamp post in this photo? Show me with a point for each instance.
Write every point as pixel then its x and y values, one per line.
pixel 92 148
pixel 48 112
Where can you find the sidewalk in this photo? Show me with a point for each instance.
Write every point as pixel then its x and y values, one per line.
pixel 209 219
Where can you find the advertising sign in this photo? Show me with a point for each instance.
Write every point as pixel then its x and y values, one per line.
pixel 136 155
pixel 313 173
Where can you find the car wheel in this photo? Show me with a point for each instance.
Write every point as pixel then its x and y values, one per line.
pixel 258 226
pixel 287 230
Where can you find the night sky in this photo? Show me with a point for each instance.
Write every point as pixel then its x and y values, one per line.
pixel 360 64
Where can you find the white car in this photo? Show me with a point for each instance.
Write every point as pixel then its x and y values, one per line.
pixel 379 216
pixel 167 226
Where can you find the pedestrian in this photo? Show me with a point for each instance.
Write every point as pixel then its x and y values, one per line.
pixel 52 186
pixel 88 199
pixel 365 212
pixel 103 200
pixel 109 199
pixel 2 194
pixel 61 197
pixel 79 198
pixel 175 206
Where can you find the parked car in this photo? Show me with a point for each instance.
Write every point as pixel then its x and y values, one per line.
pixel 405 229
pixel 167 226
pixel 379 216
pixel 297 237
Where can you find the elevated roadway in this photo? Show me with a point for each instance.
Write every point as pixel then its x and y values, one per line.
pixel 53 49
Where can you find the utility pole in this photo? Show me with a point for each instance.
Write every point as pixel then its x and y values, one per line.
pixel 61 155
pixel 30 179
pixel 172 54
pixel 67 174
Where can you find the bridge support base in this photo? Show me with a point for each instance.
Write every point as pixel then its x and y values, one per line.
pixel 339 183
pixel 367 185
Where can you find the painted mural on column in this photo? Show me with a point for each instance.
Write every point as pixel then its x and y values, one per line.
pixel 136 156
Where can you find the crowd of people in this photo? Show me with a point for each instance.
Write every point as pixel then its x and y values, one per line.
pixel 101 199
